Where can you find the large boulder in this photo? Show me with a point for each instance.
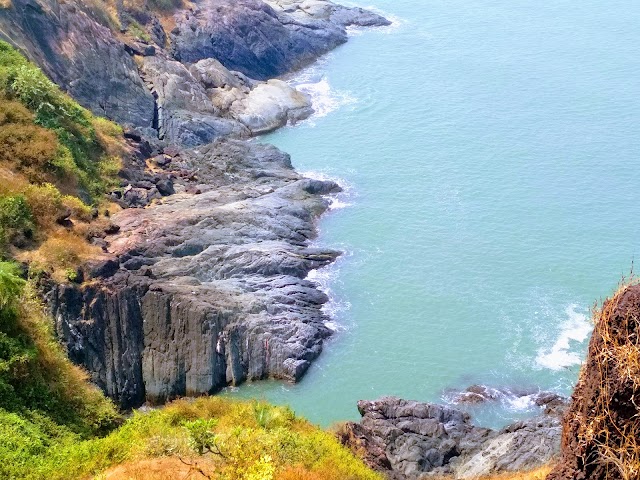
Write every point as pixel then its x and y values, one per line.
pixel 271 105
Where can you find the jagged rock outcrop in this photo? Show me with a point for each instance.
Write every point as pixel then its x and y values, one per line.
pixel 260 41
pixel 207 287
pixel 81 55
pixel 601 429
pixel 412 440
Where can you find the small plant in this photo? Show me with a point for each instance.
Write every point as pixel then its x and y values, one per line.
pixel 202 437
pixel 11 284
pixel 16 219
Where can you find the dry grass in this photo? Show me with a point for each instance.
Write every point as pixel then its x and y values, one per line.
pixel 608 436
pixel 60 254
pixel 537 474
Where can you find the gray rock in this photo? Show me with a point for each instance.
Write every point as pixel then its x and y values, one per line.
pixel 412 440
pixel 259 41
pixel 271 105
pixel 185 113
pixel 212 288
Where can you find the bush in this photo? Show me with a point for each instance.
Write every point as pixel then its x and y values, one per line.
pixel 30 148
pixel 45 202
pixel 16 221
pixel 51 133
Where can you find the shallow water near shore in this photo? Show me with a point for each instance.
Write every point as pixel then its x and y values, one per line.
pixel 489 150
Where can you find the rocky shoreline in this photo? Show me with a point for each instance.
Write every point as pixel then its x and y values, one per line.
pixel 408 440
pixel 202 280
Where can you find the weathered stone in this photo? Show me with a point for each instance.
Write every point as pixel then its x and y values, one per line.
pixel 227 300
pixel 80 55
pixel 253 38
pixel 411 440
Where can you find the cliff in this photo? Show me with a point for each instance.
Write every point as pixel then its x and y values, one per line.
pixel 201 279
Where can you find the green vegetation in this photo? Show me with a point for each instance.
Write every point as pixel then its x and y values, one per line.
pixel 49 137
pixel 57 161
pixel 215 437
pixel 44 399
pixel 54 425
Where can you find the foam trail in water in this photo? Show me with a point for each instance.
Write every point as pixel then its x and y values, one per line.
pixel 324 99
pixel 575 329
pixel 324 278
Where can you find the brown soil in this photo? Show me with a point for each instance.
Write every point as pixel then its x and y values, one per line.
pixel 165 468
pixel 601 429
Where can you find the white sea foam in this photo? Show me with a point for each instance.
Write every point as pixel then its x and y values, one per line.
pixel 338 200
pixel 324 99
pixel 573 332
pixel 334 308
pixel 519 403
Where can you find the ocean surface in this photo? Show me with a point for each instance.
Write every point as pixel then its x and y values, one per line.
pixel 489 151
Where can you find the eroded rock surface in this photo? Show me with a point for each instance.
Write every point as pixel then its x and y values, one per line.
pixel 412 440
pixel 207 287
pixel 202 281
pixel 260 41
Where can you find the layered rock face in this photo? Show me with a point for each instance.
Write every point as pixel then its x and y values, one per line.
pixel 206 288
pixel 79 47
pixel 81 55
pixel 412 440
pixel 601 429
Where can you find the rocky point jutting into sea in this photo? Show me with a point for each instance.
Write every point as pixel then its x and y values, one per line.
pixel 202 280
pixel 204 286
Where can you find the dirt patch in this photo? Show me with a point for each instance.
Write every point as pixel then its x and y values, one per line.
pixel 165 468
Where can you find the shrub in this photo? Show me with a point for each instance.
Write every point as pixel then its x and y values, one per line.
pixel 79 209
pixel 30 148
pixel 15 219
pixel 202 437
pixel 45 202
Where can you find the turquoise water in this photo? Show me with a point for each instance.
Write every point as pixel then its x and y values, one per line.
pixel 490 152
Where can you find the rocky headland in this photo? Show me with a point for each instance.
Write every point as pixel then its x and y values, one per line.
pixel 202 277
pixel 201 283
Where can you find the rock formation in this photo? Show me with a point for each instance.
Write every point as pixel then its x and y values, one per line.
pixel 412 440
pixel 202 281
pixel 206 287
pixel 601 429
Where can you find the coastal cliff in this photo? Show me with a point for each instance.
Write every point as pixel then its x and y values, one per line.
pixel 201 282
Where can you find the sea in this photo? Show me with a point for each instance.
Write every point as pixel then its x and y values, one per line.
pixel 489 154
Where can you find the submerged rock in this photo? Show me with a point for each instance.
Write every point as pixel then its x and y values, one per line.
pixel 412 440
